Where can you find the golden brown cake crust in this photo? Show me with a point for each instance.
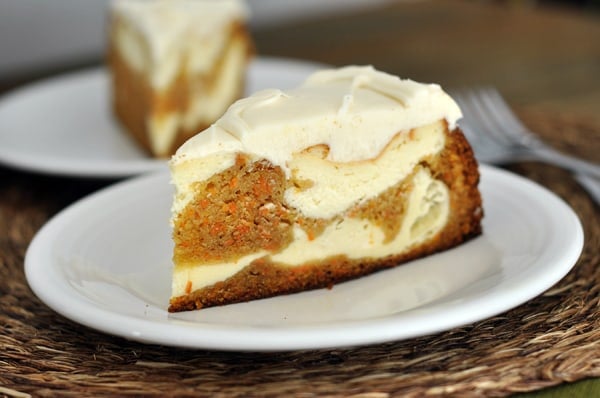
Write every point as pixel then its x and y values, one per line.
pixel 455 166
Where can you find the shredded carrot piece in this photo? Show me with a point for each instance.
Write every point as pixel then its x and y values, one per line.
pixel 188 287
pixel 242 229
pixel 240 161
pixel 232 207
pixel 217 228
pixel 262 186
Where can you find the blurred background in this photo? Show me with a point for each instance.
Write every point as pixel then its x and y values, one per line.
pixel 543 52
pixel 38 36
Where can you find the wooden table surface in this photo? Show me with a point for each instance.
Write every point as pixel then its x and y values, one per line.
pixel 545 61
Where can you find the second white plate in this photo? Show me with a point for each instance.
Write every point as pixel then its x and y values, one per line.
pixel 64 125
pixel 105 262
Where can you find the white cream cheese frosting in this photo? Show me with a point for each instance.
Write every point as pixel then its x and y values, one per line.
pixel 355 111
pixel 157 36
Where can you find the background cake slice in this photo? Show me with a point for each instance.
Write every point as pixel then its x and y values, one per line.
pixel 176 65
pixel 353 172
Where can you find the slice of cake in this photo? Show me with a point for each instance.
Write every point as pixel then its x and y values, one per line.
pixel 176 65
pixel 352 172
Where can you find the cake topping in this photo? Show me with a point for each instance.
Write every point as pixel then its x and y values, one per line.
pixel 355 111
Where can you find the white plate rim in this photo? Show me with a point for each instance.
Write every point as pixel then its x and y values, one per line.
pixel 53 289
pixel 80 166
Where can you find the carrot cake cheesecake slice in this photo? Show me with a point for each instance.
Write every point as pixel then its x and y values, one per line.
pixel 352 172
pixel 176 66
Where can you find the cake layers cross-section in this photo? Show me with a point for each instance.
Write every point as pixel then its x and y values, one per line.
pixel 352 172
pixel 176 65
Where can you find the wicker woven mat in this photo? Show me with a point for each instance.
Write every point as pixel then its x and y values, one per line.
pixel 548 340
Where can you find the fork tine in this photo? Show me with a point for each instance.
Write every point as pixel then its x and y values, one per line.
pixel 466 124
pixel 502 111
pixel 494 125
pixel 506 138
pixel 470 124
pixel 479 117
pixel 476 129
pixel 499 103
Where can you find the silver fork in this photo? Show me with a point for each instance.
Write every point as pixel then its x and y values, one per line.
pixel 499 137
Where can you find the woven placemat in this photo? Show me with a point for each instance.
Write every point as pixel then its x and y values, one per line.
pixel 551 339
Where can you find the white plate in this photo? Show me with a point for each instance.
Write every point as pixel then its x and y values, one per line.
pixel 105 262
pixel 64 125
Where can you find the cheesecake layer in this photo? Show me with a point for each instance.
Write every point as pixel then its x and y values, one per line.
pixel 426 213
pixel 435 208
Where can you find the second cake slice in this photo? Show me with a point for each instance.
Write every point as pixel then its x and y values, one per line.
pixel 176 65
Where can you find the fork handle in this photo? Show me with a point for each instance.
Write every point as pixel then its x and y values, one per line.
pixel 591 185
pixel 571 163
